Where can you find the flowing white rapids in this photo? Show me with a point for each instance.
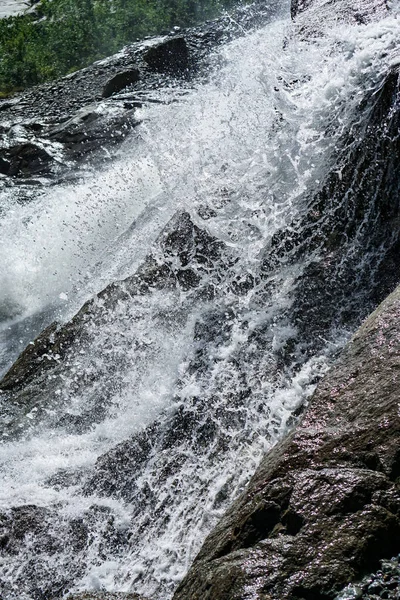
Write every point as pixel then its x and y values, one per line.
pixel 238 153
pixel 12 7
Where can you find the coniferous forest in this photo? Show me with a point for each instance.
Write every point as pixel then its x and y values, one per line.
pixel 61 36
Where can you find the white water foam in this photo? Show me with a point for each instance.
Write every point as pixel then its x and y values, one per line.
pixel 242 148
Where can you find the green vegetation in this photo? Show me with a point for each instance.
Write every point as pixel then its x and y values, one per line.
pixel 65 35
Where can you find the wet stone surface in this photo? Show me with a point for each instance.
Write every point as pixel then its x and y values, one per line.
pixel 324 505
pixel 295 532
pixel 105 596
pixel 383 584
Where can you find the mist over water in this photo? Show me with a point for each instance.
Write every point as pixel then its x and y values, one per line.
pixel 240 152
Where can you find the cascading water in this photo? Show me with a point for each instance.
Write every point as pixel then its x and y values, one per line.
pixel 127 452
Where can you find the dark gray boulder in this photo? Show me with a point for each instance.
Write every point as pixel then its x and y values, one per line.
pixel 324 505
pixel 25 160
pixel 93 127
pixel 171 56
pixel 120 81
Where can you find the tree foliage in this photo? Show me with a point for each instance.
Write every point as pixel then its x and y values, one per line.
pixel 64 35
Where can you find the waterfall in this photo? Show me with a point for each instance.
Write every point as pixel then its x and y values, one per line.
pixel 121 458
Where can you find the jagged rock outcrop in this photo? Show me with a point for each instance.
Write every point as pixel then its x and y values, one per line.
pixel 184 255
pixel 324 505
pixel 367 164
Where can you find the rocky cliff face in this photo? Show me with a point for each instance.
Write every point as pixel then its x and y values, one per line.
pixel 324 506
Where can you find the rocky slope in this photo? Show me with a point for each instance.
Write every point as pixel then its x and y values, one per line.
pixel 49 131
pixel 324 506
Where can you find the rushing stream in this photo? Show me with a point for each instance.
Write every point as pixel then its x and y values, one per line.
pixel 201 385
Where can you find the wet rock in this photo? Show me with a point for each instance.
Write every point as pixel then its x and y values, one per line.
pixel 39 355
pixel 314 517
pixel 171 56
pixel 364 11
pixel 4 166
pixel 37 533
pixel 185 258
pixel 116 471
pixel 22 522
pixel 25 160
pixel 335 220
pixel 120 81
pixel 191 425
pixel 383 584
pixel 30 530
pixel 7 104
pixel 93 127
pixel 105 596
